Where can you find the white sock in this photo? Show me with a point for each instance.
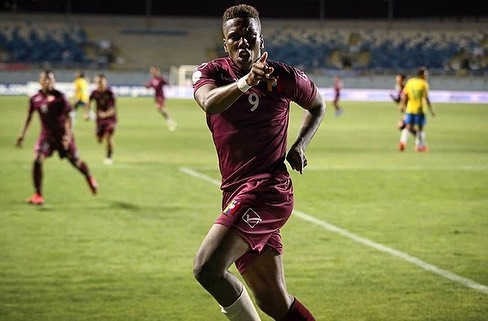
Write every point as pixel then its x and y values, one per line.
pixel 404 136
pixel 72 115
pixel 422 138
pixel 242 309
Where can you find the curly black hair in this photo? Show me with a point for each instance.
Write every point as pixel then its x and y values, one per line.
pixel 422 71
pixel 241 11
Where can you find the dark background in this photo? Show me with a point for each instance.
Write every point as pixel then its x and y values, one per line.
pixel 304 9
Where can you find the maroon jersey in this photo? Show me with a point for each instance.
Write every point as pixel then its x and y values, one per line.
pixel 397 97
pixel 104 100
pixel 251 135
pixel 157 83
pixel 54 109
pixel 338 84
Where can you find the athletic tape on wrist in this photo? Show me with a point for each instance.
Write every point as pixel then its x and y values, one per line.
pixel 242 84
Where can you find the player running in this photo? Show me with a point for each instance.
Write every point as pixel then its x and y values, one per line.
pixel 56 134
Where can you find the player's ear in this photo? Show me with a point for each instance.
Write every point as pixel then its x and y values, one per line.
pixel 262 42
pixel 225 46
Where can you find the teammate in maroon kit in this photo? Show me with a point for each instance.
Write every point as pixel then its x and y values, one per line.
pixel 246 98
pixel 106 114
pixel 400 80
pixel 56 134
pixel 337 87
pixel 157 82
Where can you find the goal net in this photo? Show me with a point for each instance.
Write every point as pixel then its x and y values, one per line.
pixel 181 75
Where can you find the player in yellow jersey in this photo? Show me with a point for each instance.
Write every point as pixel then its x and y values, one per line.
pixel 81 94
pixel 414 100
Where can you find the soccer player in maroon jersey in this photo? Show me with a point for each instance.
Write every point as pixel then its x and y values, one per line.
pixel 246 99
pixel 338 85
pixel 56 134
pixel 397 96
pixel 157 82
pixel 106 114
pixel 399 84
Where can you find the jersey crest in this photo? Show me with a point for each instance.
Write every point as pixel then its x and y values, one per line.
pixel 232 207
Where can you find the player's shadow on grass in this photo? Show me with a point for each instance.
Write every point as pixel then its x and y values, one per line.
pixel 125 206
pixel 150 212
pixel 134 207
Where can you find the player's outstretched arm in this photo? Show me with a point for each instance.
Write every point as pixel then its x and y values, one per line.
pixel 431 109
pixel 20 139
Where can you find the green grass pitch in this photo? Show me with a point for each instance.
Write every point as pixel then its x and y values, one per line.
pixel 378 235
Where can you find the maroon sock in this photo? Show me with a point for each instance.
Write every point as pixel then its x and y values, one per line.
pixel 37 177
pixel 298 312
pixel 84 169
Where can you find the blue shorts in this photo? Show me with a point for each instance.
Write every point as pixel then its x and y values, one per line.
pixel 415 119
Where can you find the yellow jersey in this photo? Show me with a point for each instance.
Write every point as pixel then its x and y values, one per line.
pixel 81 89
pixel 417 90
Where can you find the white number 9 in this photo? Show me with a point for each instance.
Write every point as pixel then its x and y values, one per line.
pixel 254 101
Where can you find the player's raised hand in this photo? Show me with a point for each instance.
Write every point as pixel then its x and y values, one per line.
pixel 261 71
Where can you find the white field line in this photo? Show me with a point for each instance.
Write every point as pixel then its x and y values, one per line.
pixel 382 248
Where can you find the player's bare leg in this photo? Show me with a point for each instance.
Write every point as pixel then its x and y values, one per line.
pixel 401 124
pixel 218 251
pixel 265 276
pixel 404 136
pixel 420 145
pixel 109 149
pixel 338 109
pixel 83 168
pixel 37 178
pixel 169 120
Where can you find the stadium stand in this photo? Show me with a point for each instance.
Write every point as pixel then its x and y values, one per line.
pixel 116 42
pixel 379 49
pixel 349 47
pixel 27 42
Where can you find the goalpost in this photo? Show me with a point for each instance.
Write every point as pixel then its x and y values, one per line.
pixel 180 77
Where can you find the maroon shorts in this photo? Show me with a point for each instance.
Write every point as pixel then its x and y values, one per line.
pixel 46 145
pixel 105 127
pixel 160 100
pixel 257 210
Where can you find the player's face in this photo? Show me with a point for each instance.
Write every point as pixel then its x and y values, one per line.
pixel 101 82
pixel 46 80
pixel 243 41
pixel 153 71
